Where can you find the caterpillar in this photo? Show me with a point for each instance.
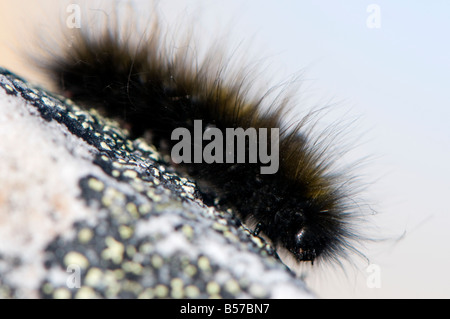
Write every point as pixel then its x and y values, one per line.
pixel 151 85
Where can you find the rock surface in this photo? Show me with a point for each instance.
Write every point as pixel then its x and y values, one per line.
pixel 86 212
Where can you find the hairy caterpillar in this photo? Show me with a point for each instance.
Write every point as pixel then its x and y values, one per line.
pixel 303 207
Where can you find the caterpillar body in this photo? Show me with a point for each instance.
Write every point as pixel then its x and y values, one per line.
pixel 303 207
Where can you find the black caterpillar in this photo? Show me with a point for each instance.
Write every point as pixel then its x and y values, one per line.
pixel 303 207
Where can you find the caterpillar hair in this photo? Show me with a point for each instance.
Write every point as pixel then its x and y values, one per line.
pixel 152 85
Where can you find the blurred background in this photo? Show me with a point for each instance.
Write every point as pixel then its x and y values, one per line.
pixel 386 64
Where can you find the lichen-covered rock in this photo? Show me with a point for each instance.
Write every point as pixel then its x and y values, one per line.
pixel 86 212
